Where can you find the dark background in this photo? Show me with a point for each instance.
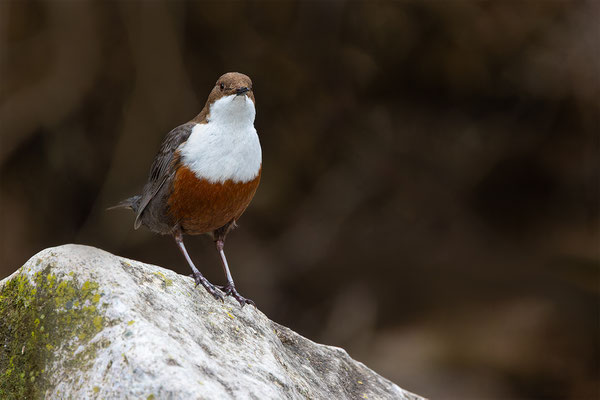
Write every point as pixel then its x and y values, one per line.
pixel 429 198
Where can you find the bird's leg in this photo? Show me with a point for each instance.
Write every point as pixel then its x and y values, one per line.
pixel 198 277
pixel 229 289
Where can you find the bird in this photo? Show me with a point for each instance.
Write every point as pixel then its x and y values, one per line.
pixel 205 175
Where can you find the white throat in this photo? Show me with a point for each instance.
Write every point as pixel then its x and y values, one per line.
pixel 227 147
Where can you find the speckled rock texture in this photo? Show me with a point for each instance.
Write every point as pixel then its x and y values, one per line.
pixel 80 323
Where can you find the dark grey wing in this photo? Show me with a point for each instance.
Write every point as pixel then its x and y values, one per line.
pixel 163 167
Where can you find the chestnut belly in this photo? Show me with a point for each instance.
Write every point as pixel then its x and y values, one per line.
pixel 200 206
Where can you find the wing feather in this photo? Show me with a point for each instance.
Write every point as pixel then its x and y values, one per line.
pixel 163 166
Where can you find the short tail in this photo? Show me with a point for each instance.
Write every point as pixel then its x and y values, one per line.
pixel 133 203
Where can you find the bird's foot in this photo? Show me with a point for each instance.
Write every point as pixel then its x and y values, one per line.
pixel 229 290
pixel 210 288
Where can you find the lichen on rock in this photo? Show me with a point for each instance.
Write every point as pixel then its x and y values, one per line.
pixel 44 315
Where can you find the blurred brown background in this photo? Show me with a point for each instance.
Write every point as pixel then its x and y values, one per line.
pixel 429 198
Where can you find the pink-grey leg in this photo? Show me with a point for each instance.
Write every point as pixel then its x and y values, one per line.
pixel 229 289
pixel 198 277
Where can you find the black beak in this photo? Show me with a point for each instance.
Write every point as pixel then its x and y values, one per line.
pixel 241 91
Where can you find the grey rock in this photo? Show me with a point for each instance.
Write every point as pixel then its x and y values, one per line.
pixel 80 323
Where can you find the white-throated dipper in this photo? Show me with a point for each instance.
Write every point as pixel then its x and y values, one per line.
pixel 205 174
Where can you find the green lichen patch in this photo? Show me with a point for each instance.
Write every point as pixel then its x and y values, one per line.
pixel 167 282
pixel 40 318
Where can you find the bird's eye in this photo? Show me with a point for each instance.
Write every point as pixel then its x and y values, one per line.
pixel 222 86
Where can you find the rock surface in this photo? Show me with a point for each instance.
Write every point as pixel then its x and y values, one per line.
pixel 78 322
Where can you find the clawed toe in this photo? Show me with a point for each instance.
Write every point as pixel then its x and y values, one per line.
pixel 210 288
pixel 229 290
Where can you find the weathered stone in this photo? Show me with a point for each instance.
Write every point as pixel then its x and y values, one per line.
pixel 77 322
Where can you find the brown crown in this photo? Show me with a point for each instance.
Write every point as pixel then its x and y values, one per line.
pixel 228 84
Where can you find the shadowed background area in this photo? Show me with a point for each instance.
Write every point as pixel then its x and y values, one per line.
pixel 429 197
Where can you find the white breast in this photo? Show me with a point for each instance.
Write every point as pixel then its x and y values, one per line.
pixel 227 147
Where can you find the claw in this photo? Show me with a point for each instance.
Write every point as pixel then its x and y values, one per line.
pixel 210 288
pixel 229 290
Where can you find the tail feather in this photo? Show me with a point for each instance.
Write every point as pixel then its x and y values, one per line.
pixel 133 203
